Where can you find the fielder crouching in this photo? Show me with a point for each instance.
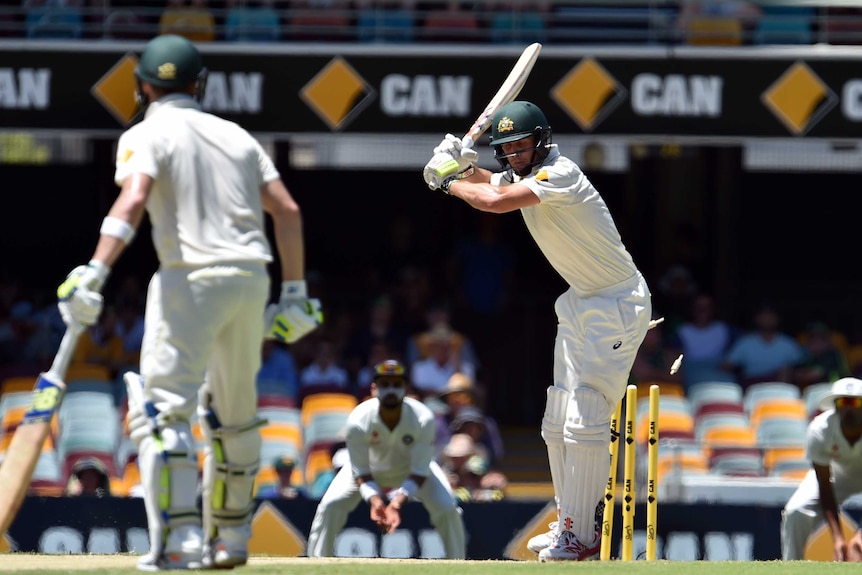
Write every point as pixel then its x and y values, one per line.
pixel 390 441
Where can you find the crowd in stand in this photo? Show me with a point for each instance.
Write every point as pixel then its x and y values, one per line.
pixel 709 22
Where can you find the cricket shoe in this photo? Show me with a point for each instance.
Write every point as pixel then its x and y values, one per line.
pixel 228 550
pixel 543 540
pixel 182 551
pixel 566 547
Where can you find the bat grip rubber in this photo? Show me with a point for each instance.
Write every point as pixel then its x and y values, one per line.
pixel 64 354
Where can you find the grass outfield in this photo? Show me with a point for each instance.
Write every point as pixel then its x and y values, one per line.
pixel 125 565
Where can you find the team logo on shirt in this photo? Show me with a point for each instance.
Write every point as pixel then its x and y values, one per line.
pixel 407 439
pixel 375 438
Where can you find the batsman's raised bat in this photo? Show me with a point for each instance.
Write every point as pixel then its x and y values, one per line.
pixel 23 452
pixel 509 90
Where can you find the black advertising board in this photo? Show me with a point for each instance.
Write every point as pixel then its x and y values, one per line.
pixel 812 92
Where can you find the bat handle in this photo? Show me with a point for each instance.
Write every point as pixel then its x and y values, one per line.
pixel 65 353
pixel 467 142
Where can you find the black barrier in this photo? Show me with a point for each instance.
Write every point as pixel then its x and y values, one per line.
pixel 698 531
pixel 810 91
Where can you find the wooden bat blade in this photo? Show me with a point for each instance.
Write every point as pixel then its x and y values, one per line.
pixel 23 453
pixel 509 90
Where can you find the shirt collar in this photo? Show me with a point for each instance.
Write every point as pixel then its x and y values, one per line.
pixel 172 101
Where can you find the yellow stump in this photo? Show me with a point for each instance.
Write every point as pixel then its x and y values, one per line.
pixel 611 488
pixel 652 474
pixel 629 477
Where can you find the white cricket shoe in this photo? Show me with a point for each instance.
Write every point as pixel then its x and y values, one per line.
pixel 543 540
pixel 229 549
pixel 566 547
pixel 183 550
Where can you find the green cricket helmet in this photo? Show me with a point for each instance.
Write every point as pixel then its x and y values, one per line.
pixel 172 63
pixel 515 121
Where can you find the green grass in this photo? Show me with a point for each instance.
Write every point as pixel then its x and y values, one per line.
pixel 124 565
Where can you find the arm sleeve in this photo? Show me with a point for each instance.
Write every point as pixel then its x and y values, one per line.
pixel 357 449
pixel 817 448
pixel 268 171
pixel 135 155
pixel 562 184
pixel 423 452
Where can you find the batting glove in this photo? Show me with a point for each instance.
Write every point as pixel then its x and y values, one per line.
pixel 80 301
pixel 452 145
pixel 295 315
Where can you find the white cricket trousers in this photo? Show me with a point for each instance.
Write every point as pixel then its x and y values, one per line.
pixel 205 324
pixel 342 497
pixel 803 513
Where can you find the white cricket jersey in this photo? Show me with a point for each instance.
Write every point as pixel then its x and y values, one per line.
pixel 828 446
pixel 574 228
pixel 390 456
pixel 205 206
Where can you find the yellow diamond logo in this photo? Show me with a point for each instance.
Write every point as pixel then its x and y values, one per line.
pixel 799 98
pixel 337 93
pixel 273 534
pixel 116 89
pixel 588 93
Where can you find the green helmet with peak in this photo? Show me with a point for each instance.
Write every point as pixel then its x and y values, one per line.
pixel 518 120
pixel 172 63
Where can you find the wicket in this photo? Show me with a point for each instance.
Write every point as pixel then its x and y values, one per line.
pixel 629 499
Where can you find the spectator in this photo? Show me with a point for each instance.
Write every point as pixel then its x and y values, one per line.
pixel 89 478
pixel 430 375
pixel 252 21
pixel 823 361
pixel 100 344
pixel 381 326
pixel 340 458
pixel 468 470
pixel 324 373
pixel 676 291
pixel 278 374
pixel 284 468
pixel 439 315
pixel 704 340
pixel 130 328
pixel 482 429
pixel 765 354
pixel 26 340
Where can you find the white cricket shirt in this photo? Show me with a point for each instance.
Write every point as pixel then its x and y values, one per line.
pixel 205 206
pixel 827 445
pixel 390 456
pixel 574 228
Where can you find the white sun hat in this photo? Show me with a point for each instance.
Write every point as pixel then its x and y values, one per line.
pixel 844 387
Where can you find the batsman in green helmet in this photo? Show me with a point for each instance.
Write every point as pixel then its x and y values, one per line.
pixel 602 317
pixel 207 186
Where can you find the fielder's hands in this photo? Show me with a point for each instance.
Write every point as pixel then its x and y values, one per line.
pixel 854 548
pixel 450 159
pixel 295 315
pixel 378 513
pixel 393 517
pixel 80 301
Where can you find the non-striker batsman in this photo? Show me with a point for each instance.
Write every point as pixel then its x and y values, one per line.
pixel 205 183
pixel 602 318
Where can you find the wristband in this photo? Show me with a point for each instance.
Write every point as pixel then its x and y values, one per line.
pixel 117 228
pixel 294 289
pixel 407 489
pixel 368 489
pixel 460 176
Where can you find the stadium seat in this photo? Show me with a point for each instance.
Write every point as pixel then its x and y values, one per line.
pixel 714 392
pixel 785 25
pixel 666 389
pixel 718 407
pixel 711 420
pixel 84 370
pixel 714 31
pixel 728 436
pixel 668 422
pixel 316 462
pixel 768 390
pixel 778 408
pixel 782 432
pixel 776 456
pixel 17 384
pixel 749 464
pixel 326 402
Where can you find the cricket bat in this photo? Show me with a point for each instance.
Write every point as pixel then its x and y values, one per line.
pixel 26 446
pixel 509 90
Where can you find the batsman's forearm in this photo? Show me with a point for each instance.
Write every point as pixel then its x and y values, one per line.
pixel 482 196
pixel 290 243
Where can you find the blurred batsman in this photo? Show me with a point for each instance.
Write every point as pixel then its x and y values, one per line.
pixel 205 183
pixel 390 443
pixel 602 318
